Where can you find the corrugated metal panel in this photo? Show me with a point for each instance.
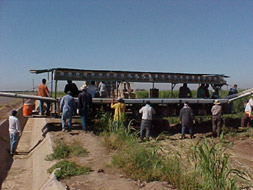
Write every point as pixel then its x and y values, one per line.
pixel 132 76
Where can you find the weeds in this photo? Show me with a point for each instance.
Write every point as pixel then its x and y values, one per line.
pixel 62 151
pixel 145 163
pixel 68 169
pixel 78 150
pixel 212 166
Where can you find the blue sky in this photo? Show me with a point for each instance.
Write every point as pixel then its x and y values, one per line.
pixel 142 35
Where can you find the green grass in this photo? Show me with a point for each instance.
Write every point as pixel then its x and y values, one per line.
pixel 145 162
pixel 237 104
pixel 211 164
pixel 68 169
pixel 61 151
pixel 77 150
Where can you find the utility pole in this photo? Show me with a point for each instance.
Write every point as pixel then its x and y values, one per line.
pixel 33 85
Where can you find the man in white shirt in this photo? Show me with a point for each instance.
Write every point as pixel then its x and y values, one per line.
pixel 102 89
pixel 14 130
pixel 251 101
pixel 93 89
pixel 247 116
pixel 147 111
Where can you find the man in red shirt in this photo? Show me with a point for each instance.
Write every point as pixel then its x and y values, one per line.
pixel 44 92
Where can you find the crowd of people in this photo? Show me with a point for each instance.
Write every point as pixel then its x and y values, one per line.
pixel 69 107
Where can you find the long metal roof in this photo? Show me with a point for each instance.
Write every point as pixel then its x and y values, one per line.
pixel 132 76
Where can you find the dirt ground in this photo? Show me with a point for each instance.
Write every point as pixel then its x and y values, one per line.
pixel 7 105
pixel 103 176
pixel 106 177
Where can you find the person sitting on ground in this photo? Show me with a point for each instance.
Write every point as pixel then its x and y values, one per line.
pixel 216 118
pixel 201 92
pixel 67 107
pixel 119 111
pixel 84 105
pixel 92 89
pixel 184 91
pixel 14 130
pixel 186 119
pixel 72 88
pixel 44 92
pixel 146 121
pixel 247 116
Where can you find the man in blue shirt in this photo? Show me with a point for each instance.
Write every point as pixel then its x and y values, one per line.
pixel 67 107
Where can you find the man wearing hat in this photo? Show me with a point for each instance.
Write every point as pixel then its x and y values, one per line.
pixel 119 111
pixel 216 118
pixel 67 107
pixel 84 104
pixel 14 130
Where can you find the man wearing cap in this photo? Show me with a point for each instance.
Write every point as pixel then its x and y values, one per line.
pixel 216 118
pixel 14 130
pixel 84 104
pixel 146 121
pixel 67 107
pixel 119 111
pixel 186 119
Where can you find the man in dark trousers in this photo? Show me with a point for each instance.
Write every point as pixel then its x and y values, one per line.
pixel 216 118
pixel 186 119
pixel 146 120
pixel 231 92
pixel 84 104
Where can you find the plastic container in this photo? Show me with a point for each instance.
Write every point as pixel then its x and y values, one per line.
pixel 27 109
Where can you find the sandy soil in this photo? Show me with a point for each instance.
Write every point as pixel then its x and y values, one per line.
pixel 103 176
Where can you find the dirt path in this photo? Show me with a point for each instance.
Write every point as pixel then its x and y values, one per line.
pixel 103 177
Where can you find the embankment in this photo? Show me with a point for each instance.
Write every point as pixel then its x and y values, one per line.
pixel 5 158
